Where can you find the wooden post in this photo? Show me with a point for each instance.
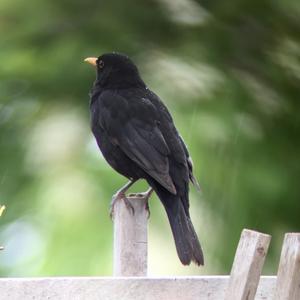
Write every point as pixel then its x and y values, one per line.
pixel 247 265
pixel 130 238
pixel 288 277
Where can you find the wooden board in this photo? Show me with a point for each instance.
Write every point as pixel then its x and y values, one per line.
pixel 247 266
pixel 125 288
pixel 288 280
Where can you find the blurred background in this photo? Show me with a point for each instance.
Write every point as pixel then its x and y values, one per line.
pixel 229 72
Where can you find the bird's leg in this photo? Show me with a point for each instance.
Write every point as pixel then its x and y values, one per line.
pixel 144 196
pixel 120 194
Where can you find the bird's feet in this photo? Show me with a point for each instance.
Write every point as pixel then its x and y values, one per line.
pixel 145 197
pixel 120 195
pixel 117 197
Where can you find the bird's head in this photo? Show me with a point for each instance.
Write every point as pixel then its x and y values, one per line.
pixel 115 71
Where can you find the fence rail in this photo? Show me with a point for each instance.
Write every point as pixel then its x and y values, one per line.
pixel 130 270
pixel 125 288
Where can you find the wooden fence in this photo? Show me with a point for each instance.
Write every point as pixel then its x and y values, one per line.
pixel 130 279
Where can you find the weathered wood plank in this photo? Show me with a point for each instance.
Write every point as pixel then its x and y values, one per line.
pixel 288 278
pixel 130 238
pixel 125 288
pixel 247 265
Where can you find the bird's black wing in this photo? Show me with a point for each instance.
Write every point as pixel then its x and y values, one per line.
pixel 180 152
pixel 130 124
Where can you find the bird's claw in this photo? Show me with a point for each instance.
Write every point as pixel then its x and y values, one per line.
pixel 143 196
pixel 117 197
pixel 147 208
pixel 120 195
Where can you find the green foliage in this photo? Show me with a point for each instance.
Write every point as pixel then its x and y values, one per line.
pixel 229 72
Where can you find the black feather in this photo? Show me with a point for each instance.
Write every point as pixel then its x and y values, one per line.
pixel 186 240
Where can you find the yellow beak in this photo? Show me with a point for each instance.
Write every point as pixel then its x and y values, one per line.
pixel 91 60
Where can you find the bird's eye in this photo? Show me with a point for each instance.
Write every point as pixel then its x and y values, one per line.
pixel 101 64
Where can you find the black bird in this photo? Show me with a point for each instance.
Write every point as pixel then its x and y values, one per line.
pixel 137 136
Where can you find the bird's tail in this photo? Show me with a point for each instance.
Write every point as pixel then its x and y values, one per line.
pixel 186 240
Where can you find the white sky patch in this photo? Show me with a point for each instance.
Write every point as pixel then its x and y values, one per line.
pixel 24 247
pixel 185 12
pixel 67 195
pixel 187 79
pixel 93 149
pixel 55 140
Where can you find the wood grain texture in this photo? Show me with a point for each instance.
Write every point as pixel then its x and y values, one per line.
pixel 247 265
pixel 288 278
pixel 124 288
pixel 130 238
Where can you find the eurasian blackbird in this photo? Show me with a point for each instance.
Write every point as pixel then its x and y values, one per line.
pixel 136 135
